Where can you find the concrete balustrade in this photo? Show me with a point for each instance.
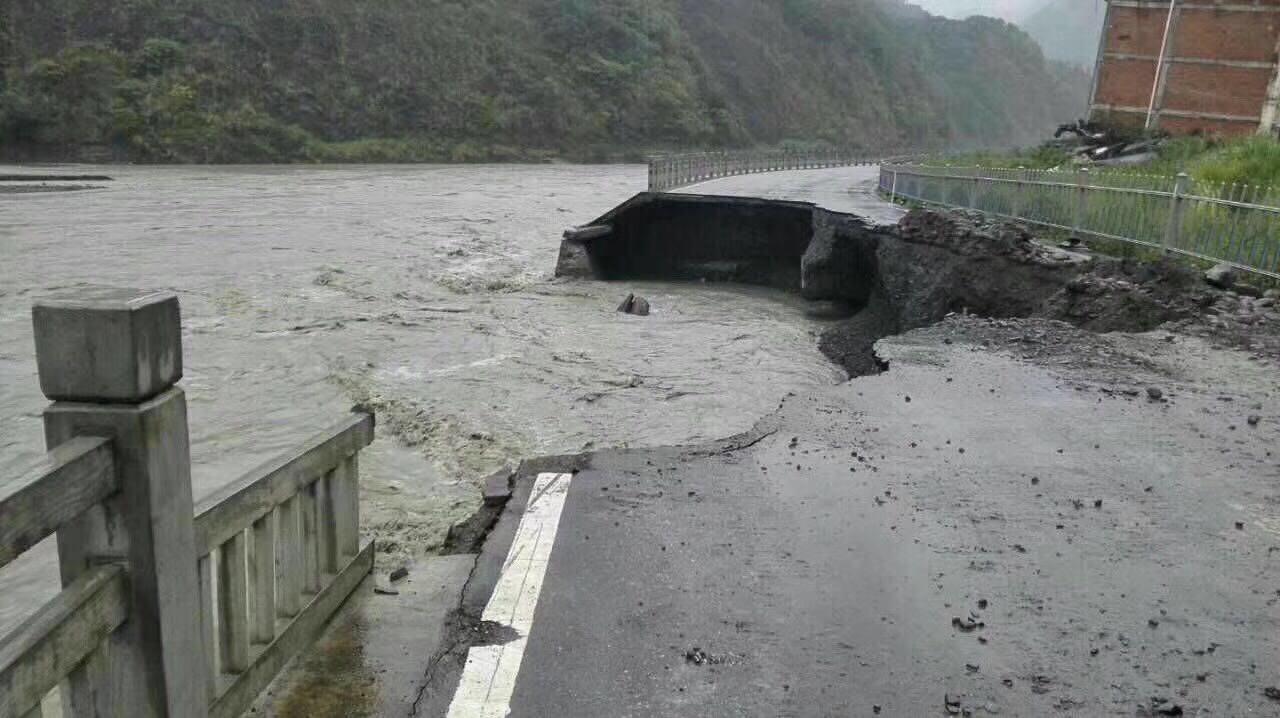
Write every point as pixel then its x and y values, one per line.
pixel 285 541
pixel 167 609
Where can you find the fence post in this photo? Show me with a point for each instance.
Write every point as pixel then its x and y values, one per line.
pixel 1177 207
pixel 109 360
pixel 1019 187
pixel 1081 203
pixel 893 191
pixel 973 188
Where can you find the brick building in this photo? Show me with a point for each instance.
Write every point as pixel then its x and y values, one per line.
pixel 1186 65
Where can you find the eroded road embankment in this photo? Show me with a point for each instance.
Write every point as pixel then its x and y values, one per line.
pixel 887 279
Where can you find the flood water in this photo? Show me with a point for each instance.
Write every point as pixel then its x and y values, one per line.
pixel 424 291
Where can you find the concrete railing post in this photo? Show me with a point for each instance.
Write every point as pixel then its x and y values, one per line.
pixel 973 188
pixel 1081 203
pixel 1177 208
pixel 893 191
pixel 109 360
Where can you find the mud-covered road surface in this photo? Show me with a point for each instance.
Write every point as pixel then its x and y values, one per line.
pixel 1005 522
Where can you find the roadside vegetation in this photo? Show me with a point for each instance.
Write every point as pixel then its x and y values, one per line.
pixel 1252 161
pixel 1225 217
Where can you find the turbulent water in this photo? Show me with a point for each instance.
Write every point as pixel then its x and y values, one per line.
pixel 425 292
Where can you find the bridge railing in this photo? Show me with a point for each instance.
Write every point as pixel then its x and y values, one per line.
pixel 1235 224
pixel 166 609
pixel 681 170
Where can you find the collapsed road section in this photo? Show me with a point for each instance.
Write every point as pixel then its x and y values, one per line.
pixel 1053 487
pixel 1066 504
pixel 886 279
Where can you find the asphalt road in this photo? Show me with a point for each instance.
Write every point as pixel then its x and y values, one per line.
pixel 1002 523
pixel 843 189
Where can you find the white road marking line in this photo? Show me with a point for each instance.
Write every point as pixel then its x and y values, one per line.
pixel 489 676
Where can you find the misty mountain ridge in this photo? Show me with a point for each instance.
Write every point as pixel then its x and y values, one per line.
pixel 1068 30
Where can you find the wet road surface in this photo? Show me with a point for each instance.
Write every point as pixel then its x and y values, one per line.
pixel 842 189
pixel 974 532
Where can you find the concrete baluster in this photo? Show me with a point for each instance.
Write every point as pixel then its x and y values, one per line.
pixel 345 490
pixel 233 604
pixel 264 579
pixel 289 563
pixel 204 572
pixel 310 540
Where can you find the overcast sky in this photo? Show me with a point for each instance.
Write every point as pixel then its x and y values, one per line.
pixel 1007 9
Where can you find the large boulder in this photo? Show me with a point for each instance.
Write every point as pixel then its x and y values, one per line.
pixel 638 306
pixel 1222 276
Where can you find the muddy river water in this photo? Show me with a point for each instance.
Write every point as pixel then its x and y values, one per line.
pixel 426 292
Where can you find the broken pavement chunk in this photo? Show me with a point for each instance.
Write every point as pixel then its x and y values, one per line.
pixel 967 624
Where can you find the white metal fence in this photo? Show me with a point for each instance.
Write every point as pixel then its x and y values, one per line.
pixel 673 171
pixel 1239 225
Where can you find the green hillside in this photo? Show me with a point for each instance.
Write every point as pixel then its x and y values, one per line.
pixel 333 80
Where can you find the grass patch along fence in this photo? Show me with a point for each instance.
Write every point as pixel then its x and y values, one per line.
pixel 1235 224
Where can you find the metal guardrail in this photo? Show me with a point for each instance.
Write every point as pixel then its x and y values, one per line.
pixel 672 171
pixel 1237 225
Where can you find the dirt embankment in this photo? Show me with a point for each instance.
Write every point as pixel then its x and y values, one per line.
pixel 933 264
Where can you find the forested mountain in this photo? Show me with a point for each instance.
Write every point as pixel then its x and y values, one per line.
pixel 272 80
